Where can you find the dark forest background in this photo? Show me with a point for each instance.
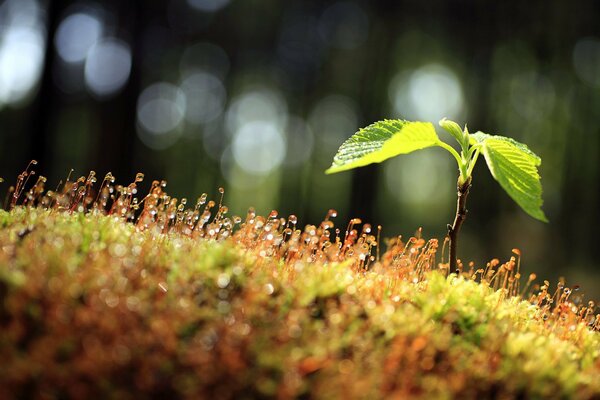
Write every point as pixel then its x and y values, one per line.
pixel 256 96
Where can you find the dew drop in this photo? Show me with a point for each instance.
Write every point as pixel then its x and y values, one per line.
pixel 202 198
pixel 269 288
pixel 223 280
pixel 532 277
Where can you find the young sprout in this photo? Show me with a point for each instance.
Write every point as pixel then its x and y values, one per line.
pixel 511 163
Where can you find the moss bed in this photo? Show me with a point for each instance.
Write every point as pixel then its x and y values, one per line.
pixel 173 304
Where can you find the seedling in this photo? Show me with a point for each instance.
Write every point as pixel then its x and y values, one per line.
pixel 511 163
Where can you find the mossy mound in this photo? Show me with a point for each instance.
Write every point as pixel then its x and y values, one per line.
pixel 93 306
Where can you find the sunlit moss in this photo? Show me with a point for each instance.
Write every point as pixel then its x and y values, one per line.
pixel 115 297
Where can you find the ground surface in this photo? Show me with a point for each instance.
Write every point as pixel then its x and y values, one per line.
pixel 93 306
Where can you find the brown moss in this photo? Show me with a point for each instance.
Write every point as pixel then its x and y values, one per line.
pixel 107 296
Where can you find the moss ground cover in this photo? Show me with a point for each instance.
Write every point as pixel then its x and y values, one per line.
pixel 104 296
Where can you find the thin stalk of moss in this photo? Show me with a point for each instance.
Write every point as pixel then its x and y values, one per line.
pixel 461 215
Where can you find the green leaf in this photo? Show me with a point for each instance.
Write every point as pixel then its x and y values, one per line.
pixel 454 129
pixel 481 137
pixel 382 140
pixel 478 137
pixel 514 166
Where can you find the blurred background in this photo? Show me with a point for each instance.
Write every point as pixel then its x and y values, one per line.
pixel 257 95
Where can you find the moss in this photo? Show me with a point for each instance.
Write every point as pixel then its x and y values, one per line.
pixel 93 306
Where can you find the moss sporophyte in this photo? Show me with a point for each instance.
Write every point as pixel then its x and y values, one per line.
pixel 511 163
pixel 105 294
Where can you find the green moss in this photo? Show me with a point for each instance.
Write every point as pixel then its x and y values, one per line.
pixel 93 306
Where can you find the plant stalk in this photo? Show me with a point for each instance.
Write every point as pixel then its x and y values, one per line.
pixel 461 215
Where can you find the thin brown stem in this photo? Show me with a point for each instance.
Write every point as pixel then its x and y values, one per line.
pixel 461 215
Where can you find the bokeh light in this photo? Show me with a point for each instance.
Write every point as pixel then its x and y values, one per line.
pixel 160 109
pixel 259 147
pixel 76 34
pixel 429 93
pixel 206 97
pixel 22 44
pixel 259 104
pixel 586 60
pixel 107 67
pixel 256 120
pixel 422 182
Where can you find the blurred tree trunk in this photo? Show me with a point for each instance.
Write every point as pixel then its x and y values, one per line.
pixel 116 135
pixel 373 106
pixel 44 107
